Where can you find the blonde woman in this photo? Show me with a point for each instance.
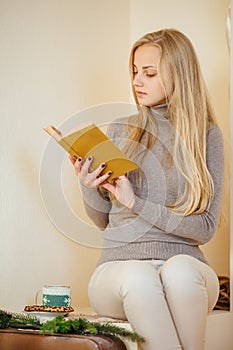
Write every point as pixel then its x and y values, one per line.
pixel 152 271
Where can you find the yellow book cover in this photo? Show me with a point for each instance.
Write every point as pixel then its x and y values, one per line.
pixel 91 141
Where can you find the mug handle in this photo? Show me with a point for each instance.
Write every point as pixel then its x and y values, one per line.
pixel 37 295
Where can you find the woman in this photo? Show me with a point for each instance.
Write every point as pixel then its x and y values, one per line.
pixel 152 271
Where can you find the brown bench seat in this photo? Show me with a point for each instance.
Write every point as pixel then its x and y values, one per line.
pixel 12 339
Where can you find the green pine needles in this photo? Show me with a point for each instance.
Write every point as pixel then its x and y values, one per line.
pixel 14 320
pixel 66 326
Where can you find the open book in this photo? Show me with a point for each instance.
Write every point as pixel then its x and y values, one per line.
pixel 91 141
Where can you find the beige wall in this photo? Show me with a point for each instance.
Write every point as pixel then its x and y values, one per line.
pixel 58 58
pixel 231 158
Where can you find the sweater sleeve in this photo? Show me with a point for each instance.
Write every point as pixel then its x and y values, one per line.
pixel 199 227
pixel 97 205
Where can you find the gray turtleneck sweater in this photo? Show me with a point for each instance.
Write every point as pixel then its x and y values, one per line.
pixel 150 230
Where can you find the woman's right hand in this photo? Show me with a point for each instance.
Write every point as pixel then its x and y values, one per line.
pixel 87 178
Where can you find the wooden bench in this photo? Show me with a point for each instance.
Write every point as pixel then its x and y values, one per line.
pixel 12 339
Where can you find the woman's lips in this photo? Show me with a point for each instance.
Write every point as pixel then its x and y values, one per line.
pixel 140 93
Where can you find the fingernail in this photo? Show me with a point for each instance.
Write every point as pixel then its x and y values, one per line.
pixel 110 172
pixel 103 165
pixel 79 159
pixel 90 158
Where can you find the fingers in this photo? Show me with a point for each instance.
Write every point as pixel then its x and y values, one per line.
pixel 100 179
pixel 77 165
pixel 121 178
pixel 99 169
pixel 90 179
pixel 80 166
pixel 109 187
pixel 96 174
pixel 73 160
pixel 86 165
pixel 122 181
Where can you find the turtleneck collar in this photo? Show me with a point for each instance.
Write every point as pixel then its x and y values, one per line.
pixel 160 111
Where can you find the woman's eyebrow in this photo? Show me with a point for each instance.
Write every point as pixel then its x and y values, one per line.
pixel 149 66
pixel 145 67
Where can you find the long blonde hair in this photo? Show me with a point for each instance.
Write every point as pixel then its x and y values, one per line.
pixel 189 112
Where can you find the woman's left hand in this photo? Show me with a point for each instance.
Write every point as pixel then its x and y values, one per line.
pixel 122 190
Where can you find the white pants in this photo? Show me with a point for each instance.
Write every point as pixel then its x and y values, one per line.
pixel 166 302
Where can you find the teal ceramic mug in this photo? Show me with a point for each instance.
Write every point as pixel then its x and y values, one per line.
pixel 55 296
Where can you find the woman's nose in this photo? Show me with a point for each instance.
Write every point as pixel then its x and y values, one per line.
pixel 138 80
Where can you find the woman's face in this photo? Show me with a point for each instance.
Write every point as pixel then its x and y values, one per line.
pixel 146 82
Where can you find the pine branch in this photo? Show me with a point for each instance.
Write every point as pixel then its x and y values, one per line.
pixel 82 326
pixel 64 326
pixel 5 318
pixel 15 320
pixel 109 328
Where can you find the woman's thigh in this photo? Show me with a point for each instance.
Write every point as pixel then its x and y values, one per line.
pixel 191 289
pixel 133 290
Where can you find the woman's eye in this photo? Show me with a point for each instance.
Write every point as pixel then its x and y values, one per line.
pixel 151 73
pixel 146 73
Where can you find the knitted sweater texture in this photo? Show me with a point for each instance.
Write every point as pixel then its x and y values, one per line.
pixel 150 230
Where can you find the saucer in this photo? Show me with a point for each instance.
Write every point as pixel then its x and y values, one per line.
pixel 44 316
pixel 46 313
